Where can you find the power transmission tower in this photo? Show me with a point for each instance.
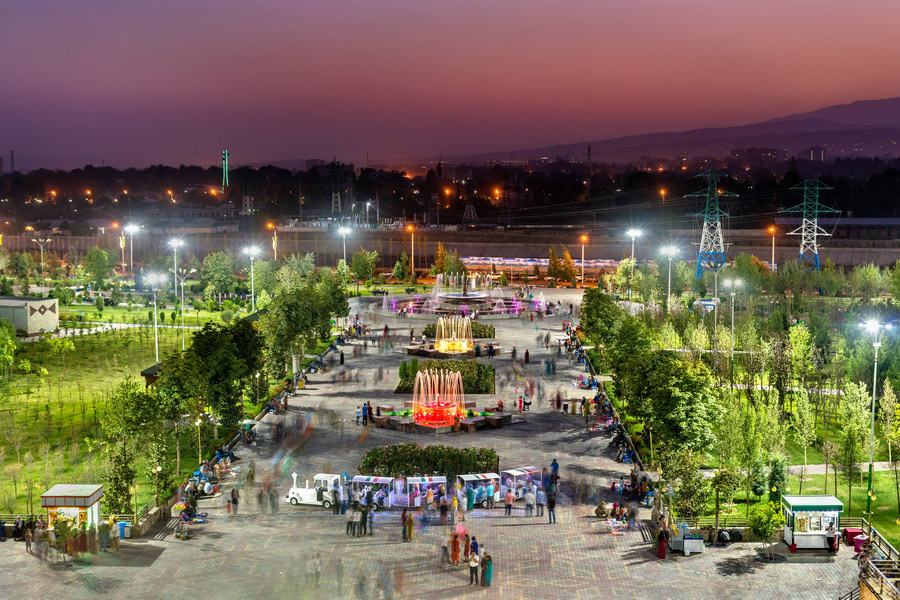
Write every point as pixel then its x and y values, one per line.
pixel 809 229
pixel 470 216
pixel 224 169
pixel 335 189
pixel 711 256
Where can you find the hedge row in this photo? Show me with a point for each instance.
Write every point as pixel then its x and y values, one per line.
pixel 477 378
pixel 412 460
pixel 479 330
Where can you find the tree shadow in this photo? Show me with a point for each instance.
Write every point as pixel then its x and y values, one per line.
pixel 737 566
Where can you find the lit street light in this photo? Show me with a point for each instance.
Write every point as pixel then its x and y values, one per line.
pixel 412 259
pixel 368 204
pixel 344 232
pixel 131 230
pixel 42 242
pixel 176 244
pixel 584 240
pixel 772 230
pixel 732 284
pixel 252 252
pixel 669 252
pixel 154 280
pixel 633 234
pixel 876 330
pixel 185 273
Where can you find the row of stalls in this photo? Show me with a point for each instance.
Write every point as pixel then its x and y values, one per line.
pixel 415 491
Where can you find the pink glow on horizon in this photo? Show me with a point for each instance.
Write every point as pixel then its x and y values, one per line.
pixel 176 82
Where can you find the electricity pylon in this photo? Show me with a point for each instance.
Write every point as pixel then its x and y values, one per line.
pixel 809 229
pixel 711 256
pixel 224 169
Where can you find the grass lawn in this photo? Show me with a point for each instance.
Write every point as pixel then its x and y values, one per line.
pixel 884 506
pixel 137 314
pixel 53 417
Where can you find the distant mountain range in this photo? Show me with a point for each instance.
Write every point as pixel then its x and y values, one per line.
pixel 863 128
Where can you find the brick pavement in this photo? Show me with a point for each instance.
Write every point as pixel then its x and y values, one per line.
pixel 261 554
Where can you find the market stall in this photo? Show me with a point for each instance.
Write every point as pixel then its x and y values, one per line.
pixel 807 518
pixel 480 482
pixel 519 479
pixel 381 488
pixel 77 503
pixel 417 488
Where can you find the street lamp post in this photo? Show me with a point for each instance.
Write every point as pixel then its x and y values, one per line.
pixel 412 259
pixel 633 234
pixel 344 231
pixel 584 240
pixel 772 230
pixel 732 285
pixel 876 330
pixel 368 204
pixel 669 252
pixel 131 230
pixel 252 251
pixel 155 280
pixel 185 273
pixel 42 242
pixel 175 243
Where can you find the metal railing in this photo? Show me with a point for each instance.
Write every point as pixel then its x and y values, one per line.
pixel 881 576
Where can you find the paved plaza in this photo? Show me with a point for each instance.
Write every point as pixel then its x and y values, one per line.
pixel 260 553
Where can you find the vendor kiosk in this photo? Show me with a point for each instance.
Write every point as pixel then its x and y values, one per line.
pixel 382 489
pixel 77 503
pixel 480 481
pixel 806 520
pixel 417 488
pixel 518 480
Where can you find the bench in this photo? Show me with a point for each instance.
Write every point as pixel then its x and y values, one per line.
pixel 382 421
pixel 382 408
pixel 494 421
pixel 379 292
pixel 470 425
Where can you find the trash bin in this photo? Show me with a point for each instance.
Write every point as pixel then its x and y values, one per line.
pixel 124 530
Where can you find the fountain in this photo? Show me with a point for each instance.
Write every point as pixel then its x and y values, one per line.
pixel 438 398
pixel 453 335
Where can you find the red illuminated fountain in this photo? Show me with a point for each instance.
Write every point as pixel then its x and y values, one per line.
pixel 438 398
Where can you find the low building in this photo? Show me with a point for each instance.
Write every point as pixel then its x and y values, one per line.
pixel 30 315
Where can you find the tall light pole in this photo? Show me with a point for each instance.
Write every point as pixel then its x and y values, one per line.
pixel 344 232
pixel 131 230
pixel 772 230
pixel 669 252
pixel 584 240
pixel 876 330
pixel 732 284
pixel 154 280
pixel 368 204
pixel 274 242
pixel 42 242
pixel 185 273
pixel 252 252
pixel 176 244
pixel 412 260
pixel 633 234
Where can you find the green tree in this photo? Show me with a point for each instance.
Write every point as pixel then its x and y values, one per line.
pixel 343 272
pixel 890 426
pixel 777 478
pixel 401 267
pixel 801 350
pixel 455 264
pixel 96 265
pixel 503 280
pixel 130 411
pixel 683 406
pixel 179 394
pixel 804 426
pixel 725 484
pixel 263 300
pixel 600 317
pixel 767 518
pixel 218 271
pixel 569 272
pixel 555 266
pixel 440 259
pixel 681 468
pixel 362 265
pixel 867 281
pixel 852 417
pixel 296 271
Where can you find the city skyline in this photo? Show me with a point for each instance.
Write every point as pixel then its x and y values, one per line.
pixel 133 84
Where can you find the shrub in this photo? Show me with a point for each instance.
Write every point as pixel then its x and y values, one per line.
pixel 479 330
pixel 412 460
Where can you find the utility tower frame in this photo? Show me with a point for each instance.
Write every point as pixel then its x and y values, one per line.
pixel 711 256
pixel 470 216
pixel 225 154
pixel 809 230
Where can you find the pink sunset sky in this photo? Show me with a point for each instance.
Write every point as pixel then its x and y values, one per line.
pixel 178 81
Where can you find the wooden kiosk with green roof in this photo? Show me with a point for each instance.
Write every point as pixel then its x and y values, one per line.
pixel 807 518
